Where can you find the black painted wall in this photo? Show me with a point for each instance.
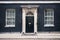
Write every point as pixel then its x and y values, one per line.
pixel 40 19
pixel 29 0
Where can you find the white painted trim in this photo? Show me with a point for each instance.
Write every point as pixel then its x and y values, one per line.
pixel 35 20
pixel 9 2
pixel 29 6
pixel 48 25
pixel 23 20
pixel 38 35
pixel 29 15
pixel 24 11
pixel 10 26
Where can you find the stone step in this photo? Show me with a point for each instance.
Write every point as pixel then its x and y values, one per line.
pixel 29 38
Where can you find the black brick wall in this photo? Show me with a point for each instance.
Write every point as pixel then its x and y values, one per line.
pixel 40 19
pixel 29 0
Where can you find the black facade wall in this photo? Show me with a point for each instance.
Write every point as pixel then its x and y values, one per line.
pixel 29 0
pixel 40 18
pixel 57 18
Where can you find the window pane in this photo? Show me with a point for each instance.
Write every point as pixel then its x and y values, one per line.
pixel 45 22
pixel 49 18
pixel 45 18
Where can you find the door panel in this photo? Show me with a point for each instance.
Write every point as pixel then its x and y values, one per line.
pixel 29 24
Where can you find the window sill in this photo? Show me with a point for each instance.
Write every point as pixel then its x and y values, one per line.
pixel 48 25
pixel 10 26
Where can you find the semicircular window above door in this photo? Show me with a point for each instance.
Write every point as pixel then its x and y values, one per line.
pixel 29 14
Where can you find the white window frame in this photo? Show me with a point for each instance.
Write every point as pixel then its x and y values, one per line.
pixel 6 25
pixel 49 25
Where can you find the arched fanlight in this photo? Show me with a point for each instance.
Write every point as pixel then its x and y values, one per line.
pixel 29 13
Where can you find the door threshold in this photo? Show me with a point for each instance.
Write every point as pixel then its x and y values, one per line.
pixel 29 33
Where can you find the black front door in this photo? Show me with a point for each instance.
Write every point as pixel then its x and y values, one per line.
pixel 29 24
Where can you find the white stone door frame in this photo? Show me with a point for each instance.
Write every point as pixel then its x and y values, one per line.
pixel 24 11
